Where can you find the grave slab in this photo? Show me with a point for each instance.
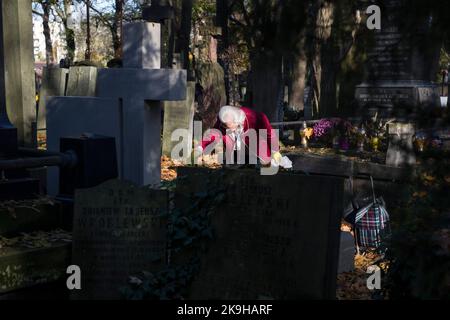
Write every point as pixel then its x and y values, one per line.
pixel 22 268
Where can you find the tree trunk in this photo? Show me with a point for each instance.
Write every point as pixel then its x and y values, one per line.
pixel 184 35
pixel 116 30
pixel 87 54
pixel 298 79
pixel 49 58
pixel 173 30
pixel 265 80
pixel 69 33
pixel 328 86
pixel 316 80
pixel 322 37
pixel 222 8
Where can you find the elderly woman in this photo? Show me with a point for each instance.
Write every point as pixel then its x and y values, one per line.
pixel 234 124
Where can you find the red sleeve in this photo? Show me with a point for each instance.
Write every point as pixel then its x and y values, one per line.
pixel 264 123
pixel 210 139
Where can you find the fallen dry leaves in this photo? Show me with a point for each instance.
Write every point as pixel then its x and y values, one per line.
pixel 42 141
pixel 168 171
pixel 169 166
pixel 34 240
pixel 353 285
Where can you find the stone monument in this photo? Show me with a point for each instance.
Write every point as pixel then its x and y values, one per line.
pixel 119 229
pixel 19 87
pixel 402 63
pixel 8 133
pixel 135 94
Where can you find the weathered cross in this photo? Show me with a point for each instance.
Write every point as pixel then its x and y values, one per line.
pixel 127 106
pixel 142 85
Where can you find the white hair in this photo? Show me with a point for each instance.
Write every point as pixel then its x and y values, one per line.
pixel 231 114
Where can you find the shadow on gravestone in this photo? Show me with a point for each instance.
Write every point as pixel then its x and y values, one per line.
pixel 119 230
pixel 275 237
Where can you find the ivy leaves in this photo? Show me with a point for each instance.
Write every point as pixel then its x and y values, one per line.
pixel 189 227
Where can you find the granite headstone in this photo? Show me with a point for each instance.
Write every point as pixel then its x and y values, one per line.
pixel 119 230
pixel 179 115
pixel 275 237
pixel 54 82
pixel 401 64
pixel 82 81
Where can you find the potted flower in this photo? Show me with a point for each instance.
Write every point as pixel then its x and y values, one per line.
pixel 324 131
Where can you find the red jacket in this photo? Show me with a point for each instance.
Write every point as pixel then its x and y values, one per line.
pixel 253 120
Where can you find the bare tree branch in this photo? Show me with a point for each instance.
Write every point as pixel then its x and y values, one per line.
pixel 37 13
pixel 100 15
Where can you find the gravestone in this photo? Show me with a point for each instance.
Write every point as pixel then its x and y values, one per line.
pixel 20 89
pixel 275 237
pixel 138 91
pixel 119 230
pixel 402 64
pixel 8 133
pixel 401 150
pixel 179 115
pixel 54 82
pixel 81 82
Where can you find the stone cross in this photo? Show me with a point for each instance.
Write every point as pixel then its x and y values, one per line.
pixel 142 85
pixel 127 106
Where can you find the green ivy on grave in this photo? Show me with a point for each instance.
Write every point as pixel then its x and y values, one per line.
pixel 189 231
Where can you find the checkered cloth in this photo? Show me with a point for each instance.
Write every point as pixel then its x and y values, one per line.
pixel 371 224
